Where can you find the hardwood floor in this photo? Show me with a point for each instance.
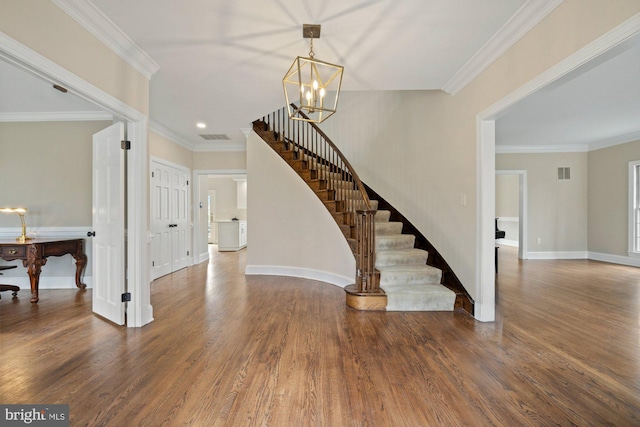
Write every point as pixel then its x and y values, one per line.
pixel 230 350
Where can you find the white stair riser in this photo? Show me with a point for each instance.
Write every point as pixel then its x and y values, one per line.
pixel 397 241
pixel 389 257
pixel 408 277
pixel 388 228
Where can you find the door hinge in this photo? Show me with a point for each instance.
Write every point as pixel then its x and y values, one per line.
pixel 187 253
pixel 187 182
pixel 153 174
pixel 125 145
pixel 153 263
pixel 126 297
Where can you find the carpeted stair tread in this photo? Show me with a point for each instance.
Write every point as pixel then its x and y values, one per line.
pixel 420 298
pixel 409 275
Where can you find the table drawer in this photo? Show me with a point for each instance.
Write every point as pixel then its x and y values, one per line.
pixel 17 251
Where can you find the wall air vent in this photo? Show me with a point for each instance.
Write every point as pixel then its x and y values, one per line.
pixel 215 137
pixel 564 173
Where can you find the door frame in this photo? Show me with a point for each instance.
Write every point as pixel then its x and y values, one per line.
pixel 486 151
pixel 198 233
pixel 139 310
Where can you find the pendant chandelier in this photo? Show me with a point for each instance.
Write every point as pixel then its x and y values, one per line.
pixel 311 86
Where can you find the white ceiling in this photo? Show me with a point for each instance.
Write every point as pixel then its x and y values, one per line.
pixel 222 63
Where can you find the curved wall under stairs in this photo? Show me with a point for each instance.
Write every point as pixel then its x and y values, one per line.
pixel 290 232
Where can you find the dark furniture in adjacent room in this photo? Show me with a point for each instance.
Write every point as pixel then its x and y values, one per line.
pixel 13 288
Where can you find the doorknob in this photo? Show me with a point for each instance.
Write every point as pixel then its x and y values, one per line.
pixel 91 234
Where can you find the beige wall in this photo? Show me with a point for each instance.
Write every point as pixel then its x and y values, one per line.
pixel 557 209
pixel 426 142
pixel 46 167
pixel 226 198
pixel 608 198
pixel 162 148
pixel 45 28
pixel 289 230
pixel 507 195
pixel 220 160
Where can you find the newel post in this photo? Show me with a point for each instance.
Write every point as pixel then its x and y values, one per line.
pixel 366 277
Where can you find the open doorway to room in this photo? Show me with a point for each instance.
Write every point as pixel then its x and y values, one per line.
pixel 68 100
pixel 220 212
pixel 511 210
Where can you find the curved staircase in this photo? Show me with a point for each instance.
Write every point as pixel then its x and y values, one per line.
pixel 403 281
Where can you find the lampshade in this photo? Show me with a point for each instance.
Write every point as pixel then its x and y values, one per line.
pixel 20 211
pixel 312 86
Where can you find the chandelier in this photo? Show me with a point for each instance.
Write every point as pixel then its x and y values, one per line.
pixel 312 87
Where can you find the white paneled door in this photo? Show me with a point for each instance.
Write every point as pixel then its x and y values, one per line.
pixel 169 219
pixel 108 224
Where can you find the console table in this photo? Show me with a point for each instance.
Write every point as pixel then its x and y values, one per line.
pixel 34 254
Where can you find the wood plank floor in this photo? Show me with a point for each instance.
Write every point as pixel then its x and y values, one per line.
pixel 230 350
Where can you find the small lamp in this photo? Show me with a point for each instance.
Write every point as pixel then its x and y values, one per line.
pixel 314 84
pixel 20 211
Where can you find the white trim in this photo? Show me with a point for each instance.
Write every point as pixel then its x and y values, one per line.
pixel 523 234
pixel 527 17
pixel 57 116
pixel 304 273
pixel 104 29
pixel 505 242
pixel 633 190
pixel 204 256
pixel 615 259
pixel 485 302
pixel 528 149
pixel 45 232
pixel 486 149
pixel 166 162
pixel 569 148
pixel 559 255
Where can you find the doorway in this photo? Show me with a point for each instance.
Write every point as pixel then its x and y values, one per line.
pixel 139 310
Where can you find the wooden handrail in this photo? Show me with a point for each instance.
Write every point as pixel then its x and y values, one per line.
pixel 318 153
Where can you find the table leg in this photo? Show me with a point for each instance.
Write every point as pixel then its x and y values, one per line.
pixel 81 263
pixel 34 264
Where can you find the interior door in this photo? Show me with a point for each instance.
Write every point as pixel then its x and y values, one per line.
pixel 180 222
pixel 108 243
pixel 161 253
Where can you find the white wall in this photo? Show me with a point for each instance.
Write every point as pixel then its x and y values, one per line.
pixel 290 232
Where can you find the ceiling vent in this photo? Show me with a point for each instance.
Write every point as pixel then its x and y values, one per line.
pixel 215 137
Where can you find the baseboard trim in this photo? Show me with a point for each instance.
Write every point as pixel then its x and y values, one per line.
pixel 558 255
pixel 204 256
pixel 57 282
pixel 505 242
pixel 615 259
pixel 303 273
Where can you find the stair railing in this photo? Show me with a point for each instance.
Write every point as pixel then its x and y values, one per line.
pixel 350 195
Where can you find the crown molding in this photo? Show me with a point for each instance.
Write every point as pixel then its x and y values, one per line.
pixel 210 146
pixel 527 17
pixel 57 116
pixel 97 23
pixel 569 148
pixel 530 149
